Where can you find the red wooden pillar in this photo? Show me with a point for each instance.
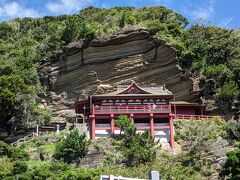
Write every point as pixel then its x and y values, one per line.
pixel 93 126
pixel 151 125
pixel 112 124
pixel 132 118
pixel 171 132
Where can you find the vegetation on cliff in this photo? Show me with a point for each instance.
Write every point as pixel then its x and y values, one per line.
pixel 232 165
pixel 214 53
pixel 71 148
pixel 34 159
pixel 203 51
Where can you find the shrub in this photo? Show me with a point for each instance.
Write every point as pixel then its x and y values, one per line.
pixel 229 91
pixel 232 165
pixel 24 176
pixel 18 154
pixel 81 173
pixel 197 133
pixel 233 130
pixel 216 70
pixel 170 167
pixel 19 167
pixel 3 148
pixel 41 172
pixel 156 26
pixel 137 148
pixel 5 168
pixel 12 152
pixel 73 146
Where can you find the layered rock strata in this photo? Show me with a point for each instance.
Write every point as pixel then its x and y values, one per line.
pixel 98 66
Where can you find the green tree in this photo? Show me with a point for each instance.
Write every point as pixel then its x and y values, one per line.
pixel 229 91
pixel 13 152
pixel 122 20
pixel 19 167
pixel 137 148
pixel 73 146
pixel 232 165
pixel 5 30
pixel 122 122
pixel 233 130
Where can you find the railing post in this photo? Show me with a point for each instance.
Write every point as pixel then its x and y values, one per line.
pixel 151 125
pixel 93 126
pixel 112 124
pixel 171 132
pixel 132 118
pixel 37 133
pixel 93 109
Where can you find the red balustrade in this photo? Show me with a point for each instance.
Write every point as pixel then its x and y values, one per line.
pixel 196 117
pixel 131 109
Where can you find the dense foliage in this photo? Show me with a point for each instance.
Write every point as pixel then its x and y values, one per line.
pixel 122 123
pixel 214 52
pixel 34 159
pixel 232 166
pixel 24 43
pixel 72 147
pixel 137 148
pixel 12 160
pixel 204 51
pixel 198 133
pixel 233 131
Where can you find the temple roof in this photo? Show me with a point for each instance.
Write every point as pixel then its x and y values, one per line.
pixel 135 90
pixel 184 103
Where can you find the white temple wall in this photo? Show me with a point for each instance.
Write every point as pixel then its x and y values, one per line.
pixel 163 135
pixel 102 133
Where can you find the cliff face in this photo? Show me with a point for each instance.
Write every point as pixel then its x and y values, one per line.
pixel 97 66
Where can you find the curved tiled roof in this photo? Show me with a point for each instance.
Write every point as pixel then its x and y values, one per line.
pixel 135 90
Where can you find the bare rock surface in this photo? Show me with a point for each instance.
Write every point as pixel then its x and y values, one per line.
pixel 98 66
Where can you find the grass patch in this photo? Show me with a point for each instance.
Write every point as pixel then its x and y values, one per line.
pixel 48 147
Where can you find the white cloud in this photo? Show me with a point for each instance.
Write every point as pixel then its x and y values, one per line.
pixel 207 12
pixel 67 6
pixel 14 9
pixel 226 22
pixel 166 3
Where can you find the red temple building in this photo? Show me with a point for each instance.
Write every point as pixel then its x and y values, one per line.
pixel 150 108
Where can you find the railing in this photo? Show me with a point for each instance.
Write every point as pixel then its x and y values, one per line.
pixel 23 139
pixel 142 124
pixel 132 109
pixel 197 117
pixel 103 125
pixel 112 177
pixel 153 175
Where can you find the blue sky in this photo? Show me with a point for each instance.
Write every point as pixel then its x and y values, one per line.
pixel 224 13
